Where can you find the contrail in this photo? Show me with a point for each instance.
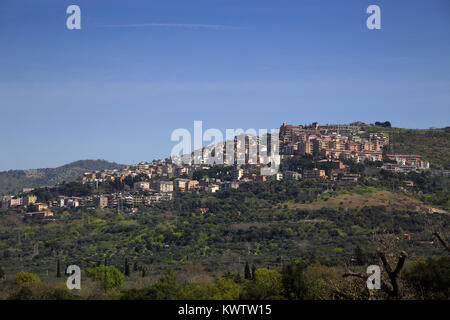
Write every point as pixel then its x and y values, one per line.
pixel 173 25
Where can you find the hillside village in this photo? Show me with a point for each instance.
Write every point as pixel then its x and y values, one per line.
pixel 331 146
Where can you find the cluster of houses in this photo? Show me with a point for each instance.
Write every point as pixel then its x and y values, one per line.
pixel 405 163
pixel 332 141
pixel 344 141
pixel 35 210
pixel 157 180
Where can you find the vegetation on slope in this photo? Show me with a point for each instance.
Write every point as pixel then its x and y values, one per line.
pixel 253 222
pixel 13 181
pixel 432 144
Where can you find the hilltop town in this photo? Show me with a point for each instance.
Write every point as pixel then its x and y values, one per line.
pixel 331 152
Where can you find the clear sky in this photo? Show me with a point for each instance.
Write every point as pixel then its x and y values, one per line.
pixel 138 69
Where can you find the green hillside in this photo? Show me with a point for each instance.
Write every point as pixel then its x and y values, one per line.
pixel 432 144
pixel 13 181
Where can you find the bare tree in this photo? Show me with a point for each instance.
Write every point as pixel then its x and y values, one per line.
pixel 392 288
pixel 442 240
pixel 387 246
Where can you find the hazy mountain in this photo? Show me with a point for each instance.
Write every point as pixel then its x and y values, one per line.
pixel 13 181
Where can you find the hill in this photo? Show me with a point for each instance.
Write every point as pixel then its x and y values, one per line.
pixel 261 223
pixel 13 181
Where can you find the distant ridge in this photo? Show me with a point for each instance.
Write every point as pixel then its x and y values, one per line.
pixel 13 181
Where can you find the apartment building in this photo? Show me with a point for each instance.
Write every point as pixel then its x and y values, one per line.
pixel 101 202
pixel 185 184
pixel 164 186
pixel 314 174
pixel 291 175
pixel 141 186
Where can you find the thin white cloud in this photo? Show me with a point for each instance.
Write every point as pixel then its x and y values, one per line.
pixel 173 25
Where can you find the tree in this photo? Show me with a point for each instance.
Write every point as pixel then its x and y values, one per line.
pixel 167 287
pixel 392 288
pixel 253 271
pixel 227 289
pixel 238 279
pixel 197 291
pixel 58 269
pixel 293 280
pixel 442 241
pixel 2 273
pixel 321 282
pixel 361 258
pixel 265 286
pixel 24 277
pixel 127 268
pixel 193 272
pixel 385 124
pixel 110 277
pixel 247 272
pixel 429 279
pixel 393 291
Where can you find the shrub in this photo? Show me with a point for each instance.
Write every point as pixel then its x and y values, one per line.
pixel 266 285
pixel 110 277
pixel 43 291
pixel 24 277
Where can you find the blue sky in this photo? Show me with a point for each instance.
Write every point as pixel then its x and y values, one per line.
pixel 137 70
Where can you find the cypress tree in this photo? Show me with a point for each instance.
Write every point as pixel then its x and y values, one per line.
pixel 247 272
pixel 253 272
pixel 127 268
pixel 360 256
pixel 58 269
